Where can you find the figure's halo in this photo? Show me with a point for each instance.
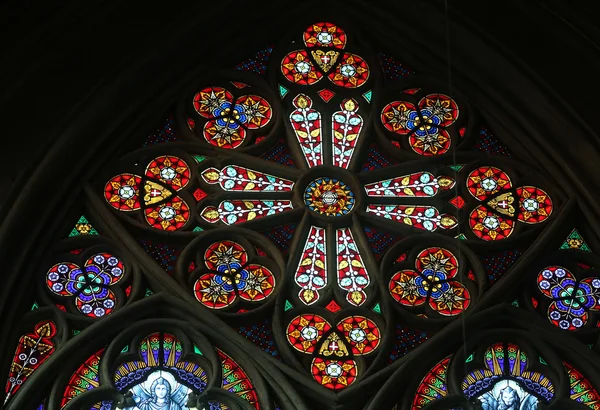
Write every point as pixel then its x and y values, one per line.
pixel 164 374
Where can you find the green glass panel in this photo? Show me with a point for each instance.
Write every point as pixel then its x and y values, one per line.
pixel 283 91
pixel 457 168
pixel 83 227
pixel 368 95
pixel 575 241
pixel 199 158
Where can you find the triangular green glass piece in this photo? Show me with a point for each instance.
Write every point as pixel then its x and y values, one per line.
pixel 470 358
pixel 197 350
pixel 288 305
pixel 461 236
pixel 125 349
pixel 283 91
pixel 198 229
pixel 515 303
pixel 542 361
pixel 377 308
pixel 457 168
pixel 367 96
pixel 575 241
pixel 76 332
pixel 83 227
pixel 148 293
pixel 199 158
pixel 590 346
pixel 35 306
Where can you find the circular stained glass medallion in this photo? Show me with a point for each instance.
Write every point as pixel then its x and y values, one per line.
pixel 329 197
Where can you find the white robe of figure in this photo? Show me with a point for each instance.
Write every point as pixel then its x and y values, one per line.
pixel 167 405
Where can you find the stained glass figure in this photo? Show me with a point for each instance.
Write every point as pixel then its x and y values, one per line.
pixel 508 394
pixel 158 352
pixel 508 379
pixel 506 369
pixel 161 391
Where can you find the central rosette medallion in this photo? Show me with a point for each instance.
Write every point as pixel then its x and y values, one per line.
pixel 329 197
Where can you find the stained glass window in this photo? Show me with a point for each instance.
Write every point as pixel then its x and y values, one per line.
pixel 317 222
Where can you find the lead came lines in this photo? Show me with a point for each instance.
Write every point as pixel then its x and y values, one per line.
pixel 311 274
pixel 306 123
pixel 352 275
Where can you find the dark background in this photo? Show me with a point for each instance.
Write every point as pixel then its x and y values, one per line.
pixel 55 54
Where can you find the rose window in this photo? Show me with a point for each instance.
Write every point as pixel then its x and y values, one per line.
pixel 298 232
pixel 217 190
